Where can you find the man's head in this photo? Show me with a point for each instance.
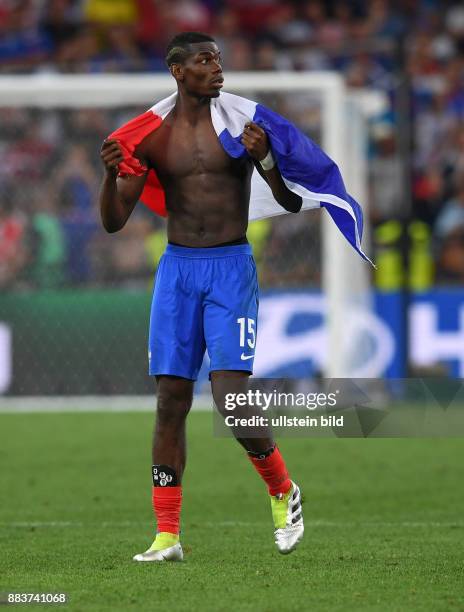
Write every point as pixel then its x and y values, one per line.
pixel 195 62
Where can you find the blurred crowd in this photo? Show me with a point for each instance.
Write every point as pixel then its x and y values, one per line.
pixel 50 231
pixel 50 234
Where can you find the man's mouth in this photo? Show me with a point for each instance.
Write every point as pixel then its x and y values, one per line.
pixel 217 82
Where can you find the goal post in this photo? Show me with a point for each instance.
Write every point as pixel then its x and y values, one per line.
pixel 345 276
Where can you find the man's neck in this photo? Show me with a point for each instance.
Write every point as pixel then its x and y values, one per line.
pixel 192 108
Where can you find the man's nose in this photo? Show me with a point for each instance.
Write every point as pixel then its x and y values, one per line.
pixel 218 67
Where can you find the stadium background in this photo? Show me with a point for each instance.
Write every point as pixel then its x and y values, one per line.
pixel 73 298
pixel 383 517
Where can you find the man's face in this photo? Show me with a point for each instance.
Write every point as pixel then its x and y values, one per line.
pixel 202 70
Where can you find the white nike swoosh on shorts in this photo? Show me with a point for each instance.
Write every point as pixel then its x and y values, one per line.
pixel 243 357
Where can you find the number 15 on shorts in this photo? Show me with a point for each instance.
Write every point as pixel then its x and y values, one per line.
pixel 247 331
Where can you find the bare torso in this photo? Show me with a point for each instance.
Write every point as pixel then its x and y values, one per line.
pixel 207 191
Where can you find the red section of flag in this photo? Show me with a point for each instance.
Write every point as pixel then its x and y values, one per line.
pixel 129 136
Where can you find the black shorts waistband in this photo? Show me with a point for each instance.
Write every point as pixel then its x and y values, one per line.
pixel 242 240
pixel 207 252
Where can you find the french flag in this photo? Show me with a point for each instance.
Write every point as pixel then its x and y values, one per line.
pixel 305 168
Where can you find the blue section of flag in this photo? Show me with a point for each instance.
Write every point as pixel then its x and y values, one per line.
pixel 313 173
pixel 232 146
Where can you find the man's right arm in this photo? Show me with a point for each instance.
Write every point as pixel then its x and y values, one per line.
pixel 118 195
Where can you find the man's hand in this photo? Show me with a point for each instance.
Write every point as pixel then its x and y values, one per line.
pixel 255 141
pixel 118 196
pixel 111 156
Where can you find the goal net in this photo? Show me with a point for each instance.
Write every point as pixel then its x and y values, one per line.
pixel 74 303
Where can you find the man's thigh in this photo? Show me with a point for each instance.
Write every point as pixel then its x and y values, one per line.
pixel 176 339
pixel 231 314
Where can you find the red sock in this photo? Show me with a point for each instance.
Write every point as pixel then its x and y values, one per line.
pixel 273 471
pixel 166 505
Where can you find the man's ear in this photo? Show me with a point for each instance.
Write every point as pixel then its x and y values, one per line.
pixel 177 71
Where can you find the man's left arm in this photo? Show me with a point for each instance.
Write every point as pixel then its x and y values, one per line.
pixel 256 142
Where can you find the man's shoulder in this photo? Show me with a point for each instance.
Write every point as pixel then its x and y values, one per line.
pixel 164 106
pixel 228 102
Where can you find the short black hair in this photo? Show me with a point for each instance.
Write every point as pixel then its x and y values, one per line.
pixel 179 47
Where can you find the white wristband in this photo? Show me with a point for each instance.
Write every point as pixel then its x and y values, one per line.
pixel 268 162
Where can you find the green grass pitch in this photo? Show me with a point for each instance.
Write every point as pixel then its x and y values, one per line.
pixel 384 520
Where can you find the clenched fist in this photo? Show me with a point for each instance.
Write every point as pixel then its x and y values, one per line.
pixel 255 141
pixel 111 155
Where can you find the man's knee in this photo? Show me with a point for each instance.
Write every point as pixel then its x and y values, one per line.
pixel 226 382
pixel 175 397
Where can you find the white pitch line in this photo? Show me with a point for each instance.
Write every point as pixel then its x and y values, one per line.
pixel 92 403
pixel 317 523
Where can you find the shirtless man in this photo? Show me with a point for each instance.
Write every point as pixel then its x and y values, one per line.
pixel 206 291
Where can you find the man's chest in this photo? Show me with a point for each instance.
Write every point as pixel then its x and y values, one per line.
pixel 179 149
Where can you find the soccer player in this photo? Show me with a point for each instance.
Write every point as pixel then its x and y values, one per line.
pixel 206 289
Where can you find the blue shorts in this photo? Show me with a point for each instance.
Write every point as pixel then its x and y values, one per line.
pixel 203 299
